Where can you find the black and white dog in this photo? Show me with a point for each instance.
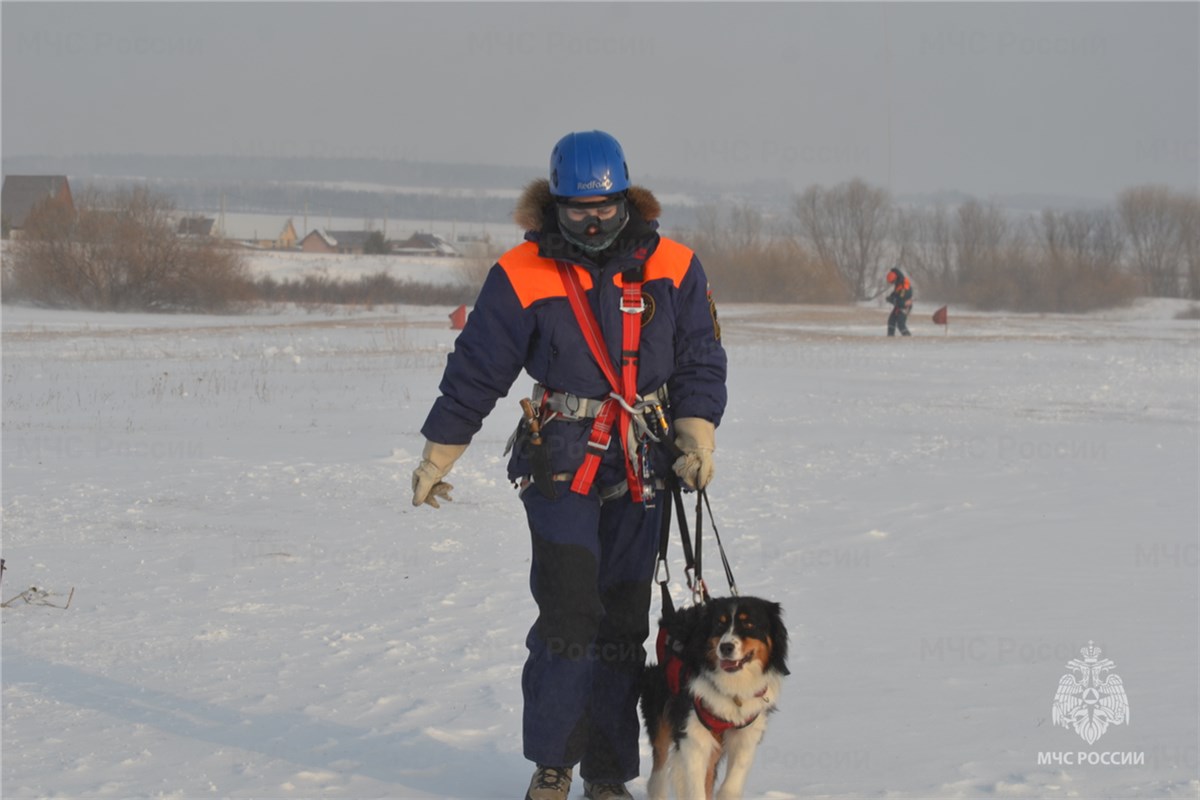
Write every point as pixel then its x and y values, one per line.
pixel 719 672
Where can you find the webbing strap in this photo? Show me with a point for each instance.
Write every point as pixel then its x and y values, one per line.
pixel 703 496
pixel 587 323
pixel 692 548
pixel 598 442
pixel 690 564
pixel 625 385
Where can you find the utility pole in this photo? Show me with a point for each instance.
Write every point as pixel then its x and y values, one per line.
pixel 887 68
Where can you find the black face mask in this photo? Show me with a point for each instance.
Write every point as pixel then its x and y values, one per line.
pixel 591 233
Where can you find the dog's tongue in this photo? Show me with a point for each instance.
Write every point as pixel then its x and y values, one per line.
pixel 731 666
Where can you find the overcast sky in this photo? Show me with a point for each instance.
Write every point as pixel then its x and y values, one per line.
pixel 1074 99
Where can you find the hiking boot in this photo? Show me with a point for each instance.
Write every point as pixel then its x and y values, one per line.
pixel 550 783
pixel 605 791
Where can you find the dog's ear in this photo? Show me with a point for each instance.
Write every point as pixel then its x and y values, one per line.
pixel 779 640
pixel 690 627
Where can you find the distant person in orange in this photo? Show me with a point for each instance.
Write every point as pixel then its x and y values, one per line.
pixel 901 299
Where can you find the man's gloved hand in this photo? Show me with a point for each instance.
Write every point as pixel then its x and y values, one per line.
pixel 436 461
pixel 696 437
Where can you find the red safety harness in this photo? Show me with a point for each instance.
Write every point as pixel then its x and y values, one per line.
pixel 625 387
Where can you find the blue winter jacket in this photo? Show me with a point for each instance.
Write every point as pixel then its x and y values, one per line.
pixel 523 320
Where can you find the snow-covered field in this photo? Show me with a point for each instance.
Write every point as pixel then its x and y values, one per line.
pixel 259 612
pixel 287 265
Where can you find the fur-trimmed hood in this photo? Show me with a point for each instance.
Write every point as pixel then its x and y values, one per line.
pixel 530 208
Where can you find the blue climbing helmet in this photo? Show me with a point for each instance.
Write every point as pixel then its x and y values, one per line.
pixel 589 179
pixel 586 164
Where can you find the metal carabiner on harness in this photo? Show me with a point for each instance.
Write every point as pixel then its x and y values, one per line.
pixel 637 413
pixel 660 417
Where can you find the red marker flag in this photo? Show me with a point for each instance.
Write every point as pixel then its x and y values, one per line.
pixel 458 318
pixel 939 316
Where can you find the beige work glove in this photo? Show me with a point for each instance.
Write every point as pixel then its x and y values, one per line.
pixel 696 437
pixel 436 461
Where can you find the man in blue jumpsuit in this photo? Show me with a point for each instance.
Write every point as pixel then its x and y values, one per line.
pixel 590 497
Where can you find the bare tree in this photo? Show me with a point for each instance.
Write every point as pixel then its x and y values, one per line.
pixel 1080 261
pixel 980 238
pixel 707 238
pixel 848 227
pixel 745 228
pixel 1187 208
pixel 1152 225
pixel 1085 240
pixel 925 241
pixel 119 251
pixel 750 259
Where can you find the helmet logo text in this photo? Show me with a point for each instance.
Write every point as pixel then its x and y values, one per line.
pixel 595 183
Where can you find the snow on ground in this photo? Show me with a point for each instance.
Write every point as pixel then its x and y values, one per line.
pixel 285 265
pixel 259 612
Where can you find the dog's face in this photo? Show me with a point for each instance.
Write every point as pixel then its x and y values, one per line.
pixel 732 634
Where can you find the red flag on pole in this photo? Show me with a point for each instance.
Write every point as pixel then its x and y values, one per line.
pixel 939 316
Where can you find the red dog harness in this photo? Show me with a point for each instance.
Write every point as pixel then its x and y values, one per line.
pixel 677 680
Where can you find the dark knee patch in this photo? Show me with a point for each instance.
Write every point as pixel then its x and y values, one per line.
pixel 569 607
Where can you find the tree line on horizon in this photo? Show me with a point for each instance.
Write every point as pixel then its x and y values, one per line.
pixel 838 242
pixel 119 250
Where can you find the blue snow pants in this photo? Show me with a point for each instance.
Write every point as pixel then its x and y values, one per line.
pixel 591 575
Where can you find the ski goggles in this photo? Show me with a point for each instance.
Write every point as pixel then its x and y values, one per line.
pixel 593 224
pixel 605 208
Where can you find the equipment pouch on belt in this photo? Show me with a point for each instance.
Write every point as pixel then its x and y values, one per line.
pixel 539 457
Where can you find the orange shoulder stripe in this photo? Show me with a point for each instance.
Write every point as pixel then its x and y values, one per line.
pixel 535 278
pixel 670 260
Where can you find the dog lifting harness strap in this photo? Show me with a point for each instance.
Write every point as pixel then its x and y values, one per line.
pixel 619 409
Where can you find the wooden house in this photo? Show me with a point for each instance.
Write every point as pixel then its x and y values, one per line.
pixel 286 240
pixel 344 242
pixel 318 241
pixel 24 193
pixel 424 244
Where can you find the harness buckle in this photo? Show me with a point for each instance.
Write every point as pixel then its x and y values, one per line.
pixel 628 309
pixel 662 571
